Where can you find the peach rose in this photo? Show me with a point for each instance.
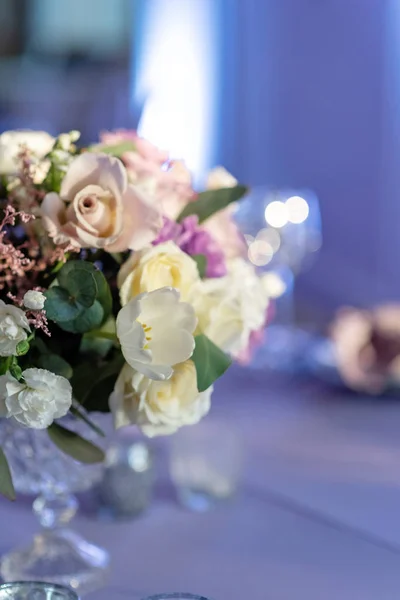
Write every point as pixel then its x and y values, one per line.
pixel 367 347
pixel 98 208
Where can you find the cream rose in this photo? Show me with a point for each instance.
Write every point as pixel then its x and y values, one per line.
pixel 97 208
pixel 164 265
pixel 11 142
pixel 159 407
pixel 230 308
pixel 34 300
pixel 13 328
pixel 36 400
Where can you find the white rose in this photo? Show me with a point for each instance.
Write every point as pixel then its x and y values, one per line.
pixel 155 331
pixel 229 308
pixel 36 400
pixel 157 267
pixel 34 300
pixel 39 142
pixel 159 407
pixel 13 328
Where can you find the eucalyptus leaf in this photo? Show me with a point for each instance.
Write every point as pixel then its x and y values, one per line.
pixel 56 364
pixel 59 305
pixel 212 201
pixel 77 277
pixel 210 362
pixel 6 483
pixel 89 319
pixel 103 293
pixel 201 262
pixel 74 445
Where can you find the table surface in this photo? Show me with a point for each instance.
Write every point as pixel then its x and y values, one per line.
pixel 316 517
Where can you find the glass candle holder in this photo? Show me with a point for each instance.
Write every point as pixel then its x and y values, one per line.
pixel 205 464
pixel 35 590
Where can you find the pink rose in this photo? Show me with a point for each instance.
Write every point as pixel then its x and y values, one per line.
pixel 169 183
pixel 98 208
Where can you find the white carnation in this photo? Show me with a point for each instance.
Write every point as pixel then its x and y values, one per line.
pixel 34 300
pixel 159 407
pixel 13 328
pixel 36 400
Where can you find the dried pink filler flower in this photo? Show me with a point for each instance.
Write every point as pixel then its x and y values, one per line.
pixel 38 319
pixel 13 262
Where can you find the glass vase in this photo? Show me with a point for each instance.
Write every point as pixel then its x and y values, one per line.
pixel 56 554
pixel 35 590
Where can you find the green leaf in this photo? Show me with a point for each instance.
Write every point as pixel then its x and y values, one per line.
pixel 92 384
pixel 89 319
pixel 100 341
pixel 210 362
pixel 5 364
pixel 22 348
pixel 6 483
pixel 201 262
pixel 79 414
pixel 212 201
pixel 59 305
pixel 56 364
pixel 115 149
pixel 74 445
pixel 77 277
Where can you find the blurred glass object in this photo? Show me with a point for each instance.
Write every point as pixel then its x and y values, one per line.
pixel 57 554
pixel 176 596
pixel 205 464
pixel 127 485
pixel 29 590
pixel 283 233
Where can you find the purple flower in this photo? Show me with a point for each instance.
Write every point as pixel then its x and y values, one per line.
pixel 193 239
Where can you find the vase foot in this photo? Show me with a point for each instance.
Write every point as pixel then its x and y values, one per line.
pixel 58 556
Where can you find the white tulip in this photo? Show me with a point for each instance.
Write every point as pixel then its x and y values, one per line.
pixel 36 400
pixel 155 330
pixel 13 328
pixel 159 407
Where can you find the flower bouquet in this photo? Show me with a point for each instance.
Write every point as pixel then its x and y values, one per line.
pixel 122 289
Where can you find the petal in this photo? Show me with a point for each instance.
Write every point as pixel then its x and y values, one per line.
pixel 97 169
pixel 52 208
pixel 141 225
pixel 171 347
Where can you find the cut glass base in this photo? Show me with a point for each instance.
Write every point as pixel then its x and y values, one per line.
pixel 59 556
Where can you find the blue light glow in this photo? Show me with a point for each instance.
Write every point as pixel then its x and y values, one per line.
pixel 175 78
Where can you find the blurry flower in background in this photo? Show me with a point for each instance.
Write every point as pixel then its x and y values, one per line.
pixel 11 143
pixel 367 347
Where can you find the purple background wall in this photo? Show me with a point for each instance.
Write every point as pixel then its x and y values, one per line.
pixel 310 96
